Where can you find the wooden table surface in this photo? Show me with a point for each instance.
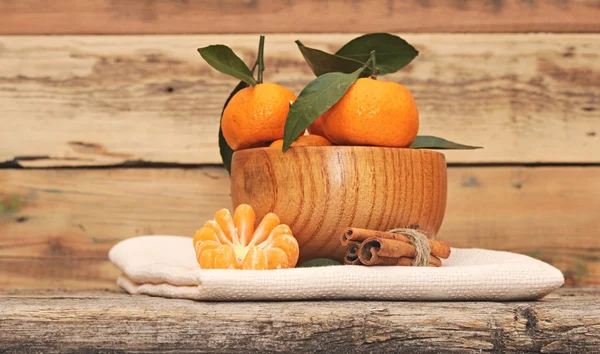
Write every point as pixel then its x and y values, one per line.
pixel 567 320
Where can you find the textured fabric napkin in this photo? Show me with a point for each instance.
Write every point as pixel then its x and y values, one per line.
pixel 166 266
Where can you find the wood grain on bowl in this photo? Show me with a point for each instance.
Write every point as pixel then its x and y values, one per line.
pixel 321 191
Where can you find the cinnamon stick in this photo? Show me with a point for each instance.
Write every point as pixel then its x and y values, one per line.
pixel 350 261
pixel 351 257
pixel 408 262
pixel 405 262
pixel 439 249
pixel 382 251
pixel 401 261
pixel 435 261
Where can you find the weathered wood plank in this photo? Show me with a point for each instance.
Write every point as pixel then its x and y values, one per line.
pixel 67 271
pixel 223 16
pixel 564 321
pixel 57 226
pixel 105 100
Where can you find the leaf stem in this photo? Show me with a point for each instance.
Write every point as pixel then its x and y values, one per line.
pixel 374 70
pixel 261 61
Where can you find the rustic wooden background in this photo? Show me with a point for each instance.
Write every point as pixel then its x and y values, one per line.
pixel 109 120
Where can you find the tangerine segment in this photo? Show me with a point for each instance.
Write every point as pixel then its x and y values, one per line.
pixel 277 258
pixel 213 225
pixel 304 140
pixel 226 258
pixel 227 225
pixel 205 234
pixel 206 245
pixel 268 223
pixel 278 231
pixel 232 242
pixel 288 244
pixel 206 258
pixel 375 113
pixel 244 219
pixel 255 259
pixel 255 116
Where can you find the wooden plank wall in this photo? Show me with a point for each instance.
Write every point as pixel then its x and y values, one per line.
pixel 109 120
pixel 296 16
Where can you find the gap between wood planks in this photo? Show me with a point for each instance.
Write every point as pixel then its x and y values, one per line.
pixel 14 164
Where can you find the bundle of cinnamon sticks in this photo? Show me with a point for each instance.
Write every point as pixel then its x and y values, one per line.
pixel 372 247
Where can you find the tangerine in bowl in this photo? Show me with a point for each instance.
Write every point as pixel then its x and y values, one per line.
pixel 319 191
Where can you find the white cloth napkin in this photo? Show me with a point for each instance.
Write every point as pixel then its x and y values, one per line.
pixel 166 266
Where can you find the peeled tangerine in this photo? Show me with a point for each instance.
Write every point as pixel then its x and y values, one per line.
pixel 232 242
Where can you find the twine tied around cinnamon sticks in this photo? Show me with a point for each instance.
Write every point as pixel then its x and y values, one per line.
pixel 401 246
pixel 419 242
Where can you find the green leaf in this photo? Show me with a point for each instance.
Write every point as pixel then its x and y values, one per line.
pixel 260 60
pixel 322 62
pixel 315 99
pixel 433 142
pixel 224 148
pixel 222 58
pixel 319 262
pixel 226 151
pixel 393 53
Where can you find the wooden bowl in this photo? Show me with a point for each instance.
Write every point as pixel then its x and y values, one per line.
pixel 319 191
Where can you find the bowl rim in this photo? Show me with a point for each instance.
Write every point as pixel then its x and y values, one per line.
pixel 347 148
